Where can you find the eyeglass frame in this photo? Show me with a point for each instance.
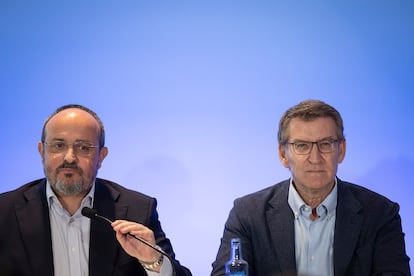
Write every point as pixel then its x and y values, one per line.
pixel 75 147
pixel 331 141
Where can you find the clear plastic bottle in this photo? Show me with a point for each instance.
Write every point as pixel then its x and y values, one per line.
pixel 236 265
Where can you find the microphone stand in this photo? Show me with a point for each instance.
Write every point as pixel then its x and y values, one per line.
pixel 91 213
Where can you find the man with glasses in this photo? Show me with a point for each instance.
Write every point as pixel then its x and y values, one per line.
pixel 43 231
pixel 314 223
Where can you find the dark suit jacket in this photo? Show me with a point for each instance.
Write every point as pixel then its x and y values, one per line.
pixel 25 235
pixel 368 238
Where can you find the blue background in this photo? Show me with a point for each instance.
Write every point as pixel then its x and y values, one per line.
pixel 191 93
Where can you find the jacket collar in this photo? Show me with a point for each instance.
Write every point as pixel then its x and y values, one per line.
pixel 33 219
pixel 347 227
pixel 279 218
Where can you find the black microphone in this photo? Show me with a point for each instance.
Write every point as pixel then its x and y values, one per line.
pixel 92 214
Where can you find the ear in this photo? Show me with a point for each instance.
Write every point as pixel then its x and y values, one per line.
pixel 102 154
pixel 342 150
pixel 282 156
pixel 41 150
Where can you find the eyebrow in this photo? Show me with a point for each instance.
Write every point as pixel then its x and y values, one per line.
pixel 76 141
pixel 320 140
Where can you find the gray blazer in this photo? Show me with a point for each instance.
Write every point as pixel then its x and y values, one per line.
pixel 368 238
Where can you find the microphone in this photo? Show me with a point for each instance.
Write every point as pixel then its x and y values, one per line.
pixel 93 214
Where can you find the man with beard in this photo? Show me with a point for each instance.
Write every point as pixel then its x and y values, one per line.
pixel 43 231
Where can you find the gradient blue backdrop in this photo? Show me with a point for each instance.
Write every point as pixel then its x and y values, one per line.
pixel 191 93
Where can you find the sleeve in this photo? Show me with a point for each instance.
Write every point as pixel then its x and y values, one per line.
pixel 233 229
pixel 165 244
pixel 389 248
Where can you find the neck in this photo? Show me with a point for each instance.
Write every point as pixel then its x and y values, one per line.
pixel 71 203
pixel 314 197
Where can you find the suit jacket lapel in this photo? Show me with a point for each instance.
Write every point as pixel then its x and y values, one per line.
pixel 104 247
pixel 281 226
pixel 33 219
pixel 347 228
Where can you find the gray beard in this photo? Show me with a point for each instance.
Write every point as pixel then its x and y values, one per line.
pixel 65 188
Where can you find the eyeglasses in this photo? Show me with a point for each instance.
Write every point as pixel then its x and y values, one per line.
pixel 324 146
pixel 80 148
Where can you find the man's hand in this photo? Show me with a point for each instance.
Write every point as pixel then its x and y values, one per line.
pixel 133 246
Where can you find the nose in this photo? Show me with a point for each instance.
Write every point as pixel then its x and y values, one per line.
pixel 315 154
pixel 70 155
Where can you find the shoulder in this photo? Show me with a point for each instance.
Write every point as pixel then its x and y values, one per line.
pixel 121 192
pixel 18 198
pixel 30 189
pixel 366 198
pixel 130 205
pixel 276 192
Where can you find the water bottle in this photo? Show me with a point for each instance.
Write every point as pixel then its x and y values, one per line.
pixel 236 265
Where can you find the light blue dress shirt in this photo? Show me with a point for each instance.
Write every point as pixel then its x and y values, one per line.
pixel 70 236
pixel 314 239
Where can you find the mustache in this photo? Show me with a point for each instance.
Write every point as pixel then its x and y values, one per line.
pixel 70 166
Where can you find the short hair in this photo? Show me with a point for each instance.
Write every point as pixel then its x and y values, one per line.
pixel 78 106
pixel 309 110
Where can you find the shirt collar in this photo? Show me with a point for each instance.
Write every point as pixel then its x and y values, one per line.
pixel 296 202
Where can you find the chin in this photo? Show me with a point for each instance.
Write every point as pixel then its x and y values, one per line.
pixel 319 185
